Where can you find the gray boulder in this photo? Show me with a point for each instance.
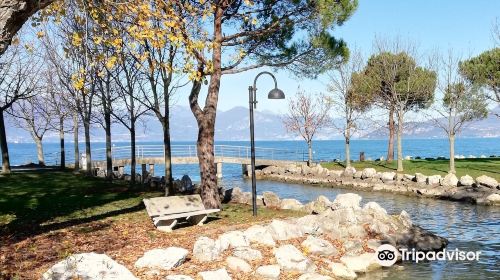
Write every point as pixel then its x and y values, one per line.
pixel 165 259
pixel 259 234
pixel 346 200
pixel 450 180
pixel 206 249
pixel 233 239
pixel 268 272
pixel 320 204
pixel 271 200
pixel 388 176
pixel 466 181
pixel 88 266
pixel 291 204
pixel 238 265
pixel 362 263
pixel 433 180
pixel 349 172
pixel 368 173
pixel 290 258
pixel 318 246
pixel 493 198
pixel 341 271
pixel 247 253
pixel 486 181
pixel 314 276
pixel 220 274
pixel 420 178
pixel 358 174
pixel 281 230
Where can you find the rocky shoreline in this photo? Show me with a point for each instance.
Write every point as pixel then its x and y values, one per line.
pixel 483 190
pixel 339 241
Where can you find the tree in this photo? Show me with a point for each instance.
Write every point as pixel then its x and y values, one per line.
pixel 461 103
pixel 251 34
pixel 345 100
pixel 13 14
pixel 307 114
pixel 127 76
pixel 397 84
pixel 484 70
pixel 17 72
pixel 33 115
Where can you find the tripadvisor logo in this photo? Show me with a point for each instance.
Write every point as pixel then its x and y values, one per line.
pixel 387 255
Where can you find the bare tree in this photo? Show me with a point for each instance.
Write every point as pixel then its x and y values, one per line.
pixel 17 73
pixel 60 110
pixel 33 115
pixel 307 114
pixel 350 104
pixel 126 110
pixel 461 102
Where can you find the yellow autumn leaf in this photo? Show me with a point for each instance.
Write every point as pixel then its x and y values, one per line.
pixel 40 34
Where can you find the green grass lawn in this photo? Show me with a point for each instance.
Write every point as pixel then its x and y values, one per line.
pixel 473 167
pixel 31 200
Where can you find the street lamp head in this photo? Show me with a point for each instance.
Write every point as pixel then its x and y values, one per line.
pixel 276 93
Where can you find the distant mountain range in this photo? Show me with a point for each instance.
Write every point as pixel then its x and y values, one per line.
pixel 232 125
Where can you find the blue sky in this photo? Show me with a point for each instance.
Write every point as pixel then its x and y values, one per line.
pixel 462 25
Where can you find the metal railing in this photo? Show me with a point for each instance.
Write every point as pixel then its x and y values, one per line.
pixel 185 151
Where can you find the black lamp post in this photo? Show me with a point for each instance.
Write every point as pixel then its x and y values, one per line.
pixel 252 94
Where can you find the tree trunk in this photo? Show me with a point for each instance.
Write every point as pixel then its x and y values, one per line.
pixel 39 150
pixel 61 144
pixel 76 142
pixel 205 144
pixel 88 163
pixel 347 151
pixel 3 146
pixel 13 14
pixel 167 155
pixel 109 159
pixel 133 162
pixel 452 152
pixel 309 153
pixel 400 144
pixel 390 149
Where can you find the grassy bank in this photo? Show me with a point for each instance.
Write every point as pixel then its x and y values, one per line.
pixel 473 167
pixel 47 216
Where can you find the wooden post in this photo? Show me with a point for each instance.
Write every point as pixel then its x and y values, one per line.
pixel 152 169
pixel 219 169
pixel 143 172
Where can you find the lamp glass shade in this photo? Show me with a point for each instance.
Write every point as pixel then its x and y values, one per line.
pixel 276 94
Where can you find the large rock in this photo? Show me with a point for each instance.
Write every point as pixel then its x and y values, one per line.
pixel 341 271
pixel 486 181
pixel 466 181
pixel 233 239
pixel 271 200
pixel 268 272
pixel 259 234
pixel 420 178
pixel 184 185
pixel 493 198
pixel 309 224
pixel 388 176
pixel 220 274
pixel 88 266
pixel 281 230
pixel 291 204
pixel 450 180
pixel 314 276
pixel 320 204
pixel 349 172
pixel 346 200
pixel 206 249
pixel 318 246
pixel 362 263
pixel 238 265
pixel 357 175
pixel 247 253
pixel 433 180
pixel 290 258
pixel 368 173
pixel 162 258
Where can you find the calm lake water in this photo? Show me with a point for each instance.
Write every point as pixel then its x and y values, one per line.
pixel 468 227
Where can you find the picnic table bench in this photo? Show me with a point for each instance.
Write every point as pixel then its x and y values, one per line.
pixel 167 211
